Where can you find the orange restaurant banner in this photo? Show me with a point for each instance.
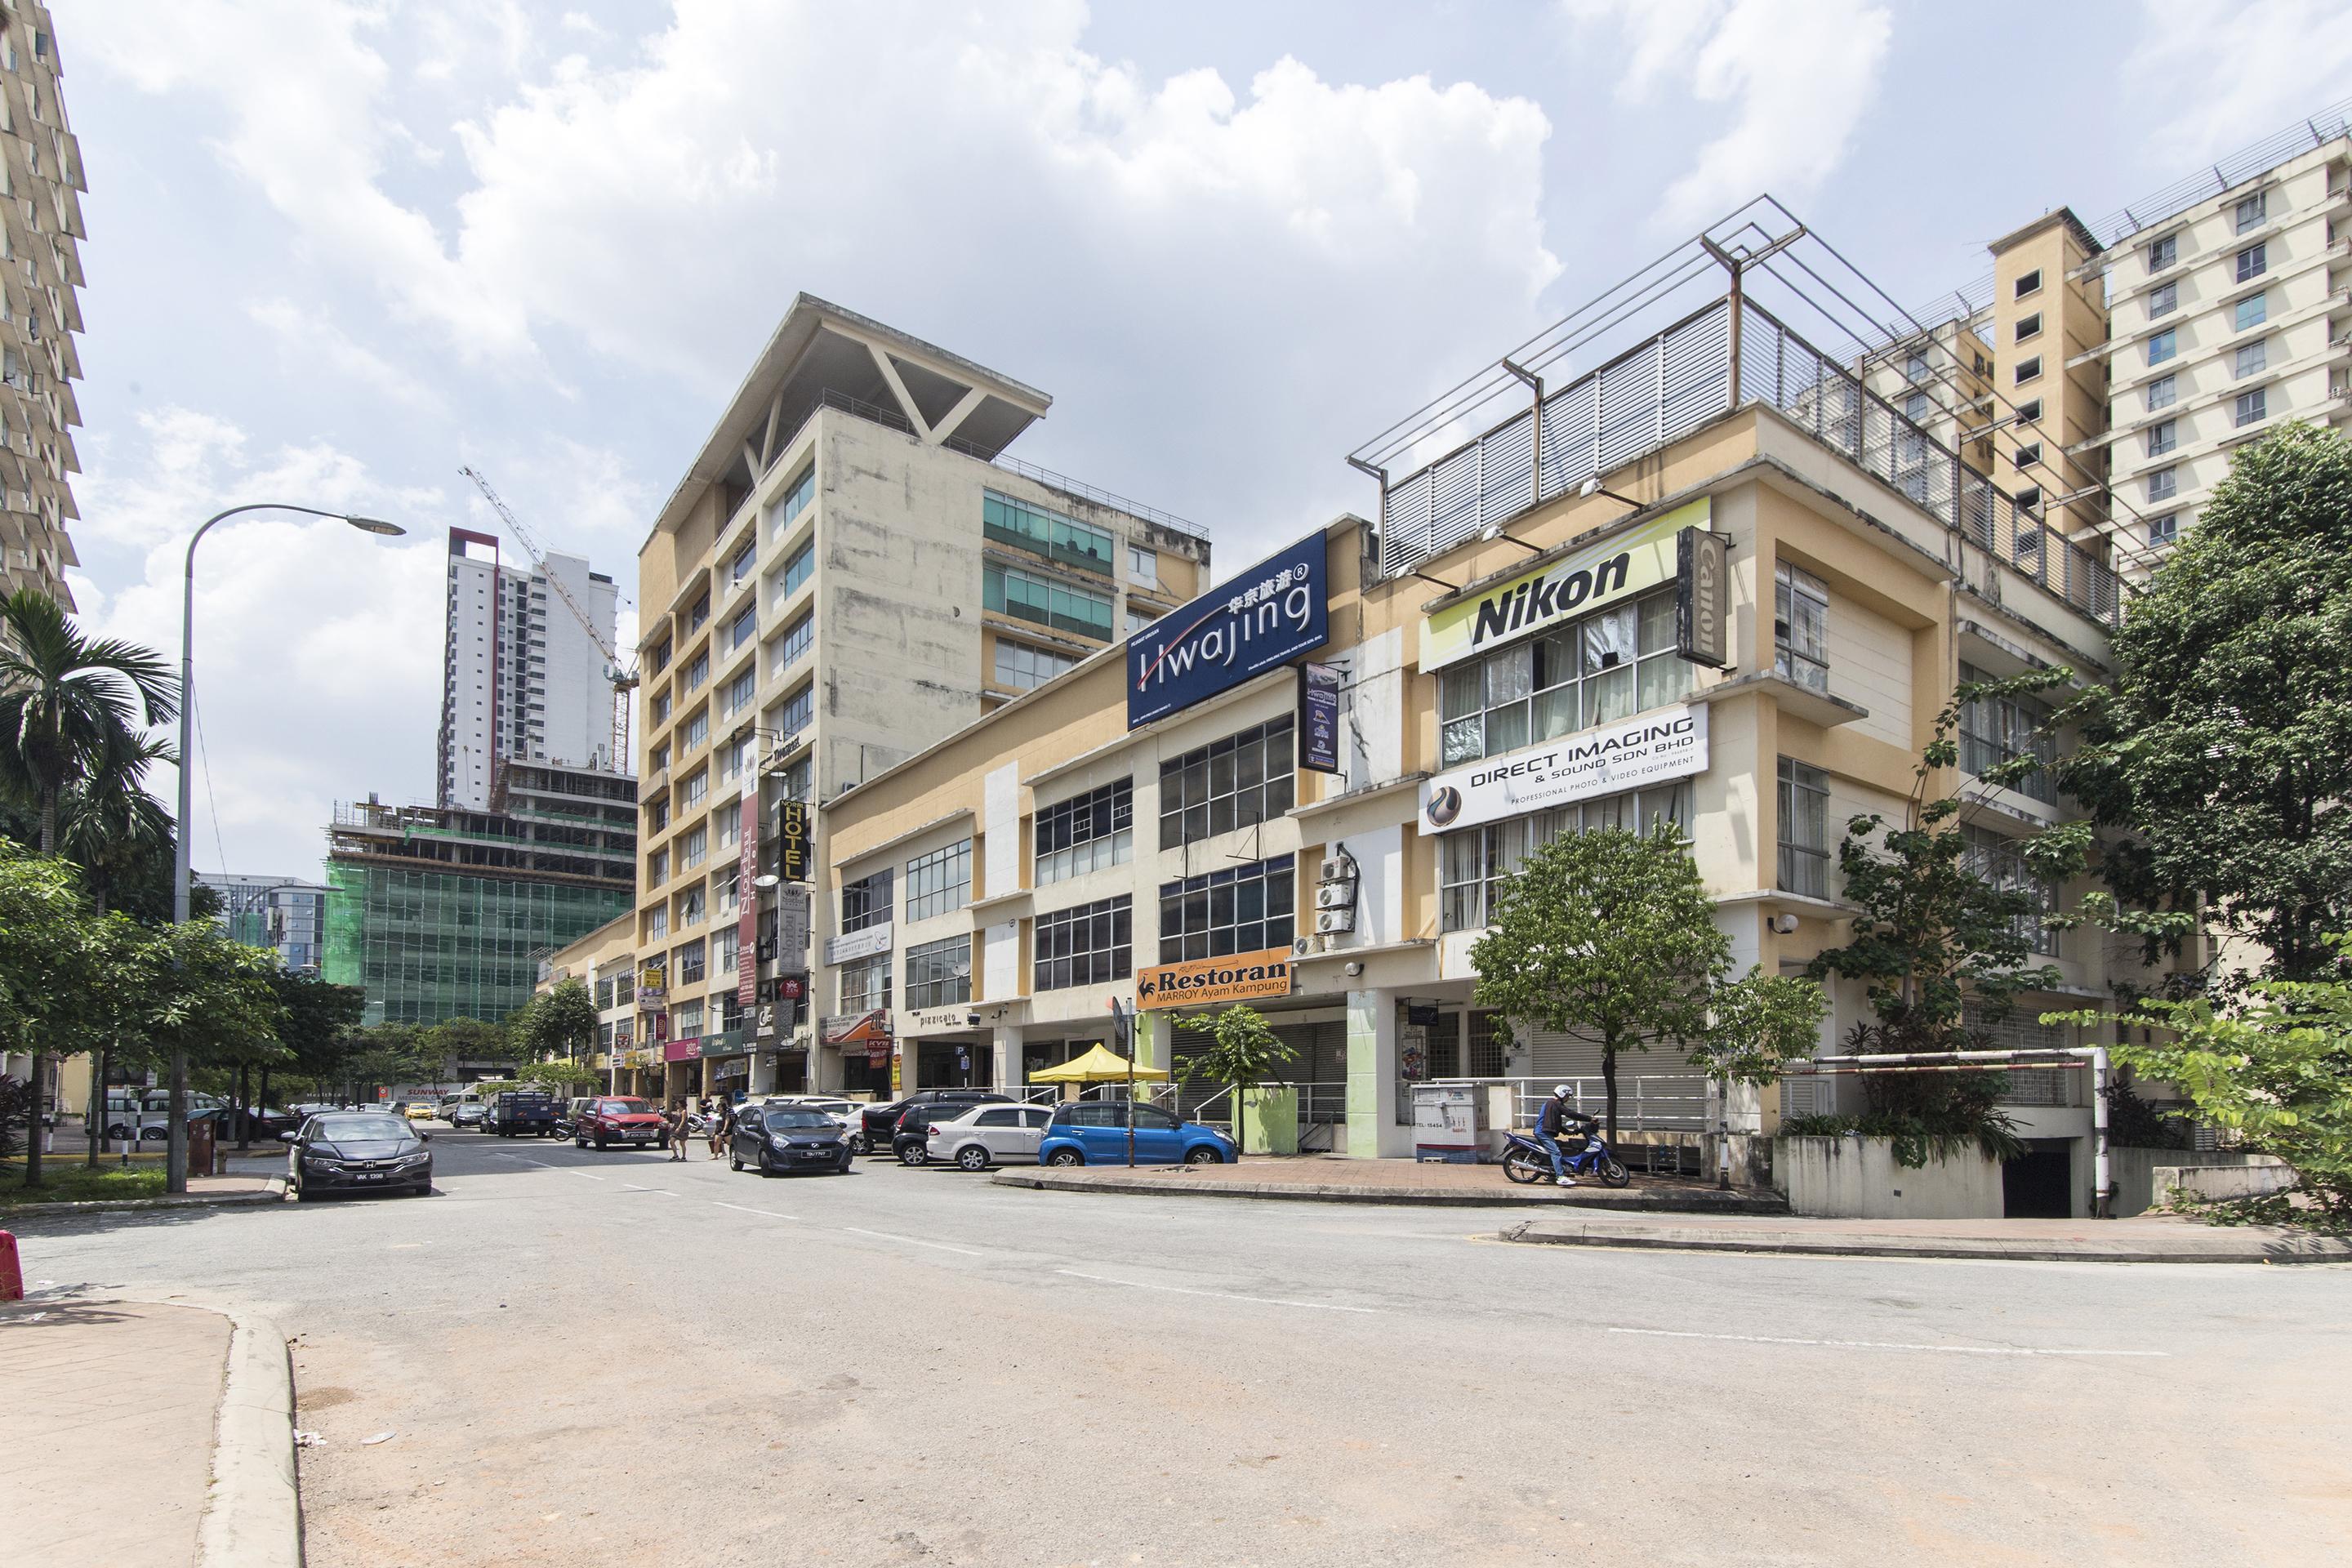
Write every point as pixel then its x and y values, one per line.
pixel 1242 978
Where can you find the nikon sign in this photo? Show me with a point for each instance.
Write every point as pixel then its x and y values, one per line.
pixel 1669 744
pixel 1590 579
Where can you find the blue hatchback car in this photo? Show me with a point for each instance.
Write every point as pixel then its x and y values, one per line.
pixel 1094 1133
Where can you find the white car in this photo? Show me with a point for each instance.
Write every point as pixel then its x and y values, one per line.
pixel 990 1134
pixel 840 1110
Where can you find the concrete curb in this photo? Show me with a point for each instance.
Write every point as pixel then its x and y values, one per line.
pixel 277 1194
pixel 2311 1249
pixel 253 1514
pixel 1338 1192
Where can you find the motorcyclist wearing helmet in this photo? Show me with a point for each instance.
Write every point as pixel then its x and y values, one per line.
pixel 1557 1121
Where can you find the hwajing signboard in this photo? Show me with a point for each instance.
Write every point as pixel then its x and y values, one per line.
pixel 1608 573
pixel 1265 616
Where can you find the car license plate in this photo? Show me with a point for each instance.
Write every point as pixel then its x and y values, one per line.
pixel 640 1136
pixel 371 1175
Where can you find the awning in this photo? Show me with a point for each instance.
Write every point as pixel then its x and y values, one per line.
pixel 1100 1065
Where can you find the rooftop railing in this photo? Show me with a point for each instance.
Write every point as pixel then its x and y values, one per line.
pixel 2315 130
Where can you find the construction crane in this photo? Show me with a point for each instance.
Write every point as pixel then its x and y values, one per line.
pixel 623 677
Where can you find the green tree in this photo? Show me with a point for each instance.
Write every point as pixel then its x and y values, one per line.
pixel 560 1021
pixel 205 1000
pixel 1608 933
pixel 473 1039
pixel 52 969
pixel 317 1027
pixel 2220 761
pixel 1243 1053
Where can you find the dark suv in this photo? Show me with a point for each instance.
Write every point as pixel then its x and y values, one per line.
pixel 870 1132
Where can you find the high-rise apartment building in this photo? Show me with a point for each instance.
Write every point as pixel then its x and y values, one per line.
pixel 851 570
pixel 521 679
pixel 40 277
pixel 286 914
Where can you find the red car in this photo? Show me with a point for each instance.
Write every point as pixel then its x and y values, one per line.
pixel 605 1123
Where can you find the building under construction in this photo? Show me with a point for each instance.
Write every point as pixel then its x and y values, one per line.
pixel 444 913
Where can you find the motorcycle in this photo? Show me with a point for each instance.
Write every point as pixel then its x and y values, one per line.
pixel 1525 1160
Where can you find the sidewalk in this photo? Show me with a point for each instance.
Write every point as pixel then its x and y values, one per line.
pixel 249 1184
pixel 112 1407
pixel 1323 1178
pixel 2144 1238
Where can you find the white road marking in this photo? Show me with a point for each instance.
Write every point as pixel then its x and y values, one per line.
pixel 1877 1344
pixel 565 1169
pixel 913 1241
pixel 1221 1295
pixel 739 1208
pixel 632 1187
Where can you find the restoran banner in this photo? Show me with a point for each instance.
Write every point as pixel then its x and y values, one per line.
pixel 1591 579
pixel 1665 744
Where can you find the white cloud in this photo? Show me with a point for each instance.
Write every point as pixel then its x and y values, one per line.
pixel 1799 73
pixel 2232 71
pixel 308 340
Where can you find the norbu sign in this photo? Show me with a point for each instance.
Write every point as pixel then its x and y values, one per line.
pixel 1262 617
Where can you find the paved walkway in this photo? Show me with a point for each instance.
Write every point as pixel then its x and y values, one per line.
pixel 249 1184
pixel 2144 1238
pixel 1334 1179
pixel 110 1410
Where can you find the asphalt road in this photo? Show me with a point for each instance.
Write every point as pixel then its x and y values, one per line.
pixel 613 1360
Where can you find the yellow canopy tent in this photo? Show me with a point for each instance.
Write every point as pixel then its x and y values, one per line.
pixel 1100 1065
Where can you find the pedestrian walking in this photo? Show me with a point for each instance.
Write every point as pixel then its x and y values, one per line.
pixel 673 1129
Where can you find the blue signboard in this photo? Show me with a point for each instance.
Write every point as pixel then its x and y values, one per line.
pixel 1259 618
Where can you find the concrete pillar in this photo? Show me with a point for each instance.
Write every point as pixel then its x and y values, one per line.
pixel 763 1073
pixel 1004 1048
pixel 1373 1130
pixel 1152 1034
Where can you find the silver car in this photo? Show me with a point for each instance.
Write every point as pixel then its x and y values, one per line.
pixel 986 1135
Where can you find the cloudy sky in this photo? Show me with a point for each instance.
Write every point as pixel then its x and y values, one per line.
pixel 338 247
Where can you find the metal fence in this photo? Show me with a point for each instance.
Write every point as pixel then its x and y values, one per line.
pixel 1662 1102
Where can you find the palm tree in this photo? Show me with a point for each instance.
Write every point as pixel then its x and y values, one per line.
pixel 64 701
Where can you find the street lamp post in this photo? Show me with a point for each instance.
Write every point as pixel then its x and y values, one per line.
pixel 175 1167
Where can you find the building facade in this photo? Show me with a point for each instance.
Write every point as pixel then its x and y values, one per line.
pixel 443 912
pixel 286 914
pixel 521 679
pixel 40 307
pixel 851 570
pixel 1509 653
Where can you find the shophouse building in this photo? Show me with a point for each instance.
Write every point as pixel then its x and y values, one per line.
pixel 1715 580
pixel 852 569
pixel 604 961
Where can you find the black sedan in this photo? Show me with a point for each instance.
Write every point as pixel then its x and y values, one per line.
pixel 357 1152
pixel 773 1138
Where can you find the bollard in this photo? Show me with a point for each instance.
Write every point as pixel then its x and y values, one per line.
pixel 12 1274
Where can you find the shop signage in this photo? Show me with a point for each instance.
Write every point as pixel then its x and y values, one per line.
pixel 652 999
pixel 747 901
pixel 1668 743
pixel 1239 978
pixel 855 1028
pixel 1593 578
pixel 792 927
pixel 1703 597
pixel 681 1050
pixel 1319 718
pixel 1263 616
pixel 857 944
pixel 652 977
pixel 792 840
pixel 953 1019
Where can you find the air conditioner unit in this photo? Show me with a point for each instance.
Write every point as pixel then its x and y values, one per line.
pixel 1341 868
pixel 1300 947
pixel 1327 922
pixel 1336 896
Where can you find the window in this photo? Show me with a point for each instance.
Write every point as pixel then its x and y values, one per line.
pixel 2028 455
pixel 1065 540
pixel 657 922
pixel 2164 530
pixel 731 823
pixel 799 777
pixel 1595 670
pixel 797 571
pixel 1804 829
pixel 2252 262
pixel 686 959
pixel 695 848
pixel 1801 624
pixel 1915 407
pixel 1238 782
pixel 1997 860
pixel 660 760
pixel 798 712
pixel 794 646
pixel 1086 833
pixel 690 905
pixel 1139 616
pixel 938 974
pixel 795 499
pixel 1009 591
pixel 865 983
pixel 2163 299
pixel 2029 411
pixel 686 1020
pixel 1088 945
pixel 940 881
pixel 2163 393
pixel 2253 407
pixel 2163 253
pixel 2028 499
pixel 2163 436
pixel 1025 667
pixel 1143 565
pixel 2029 326
pixel 2251 211
pixel 740 630
pixel 2251 311
pixel 661 658
pixel 722 950
pixel 697 731
pixel 2253 358
pixel 657 867
pixel 740 689
pixel 1244 908
pixel 699 614
pixel 661 709
pixel 740 567
pixel 2029 369
pixel 2031 283
pixel 697 671
pixel 1472 862
pixel 865 902
pixel 2164 484
pixel 1914 365
pixel 1995 730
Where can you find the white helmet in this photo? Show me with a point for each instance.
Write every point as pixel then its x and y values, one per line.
pixel 1561 1091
